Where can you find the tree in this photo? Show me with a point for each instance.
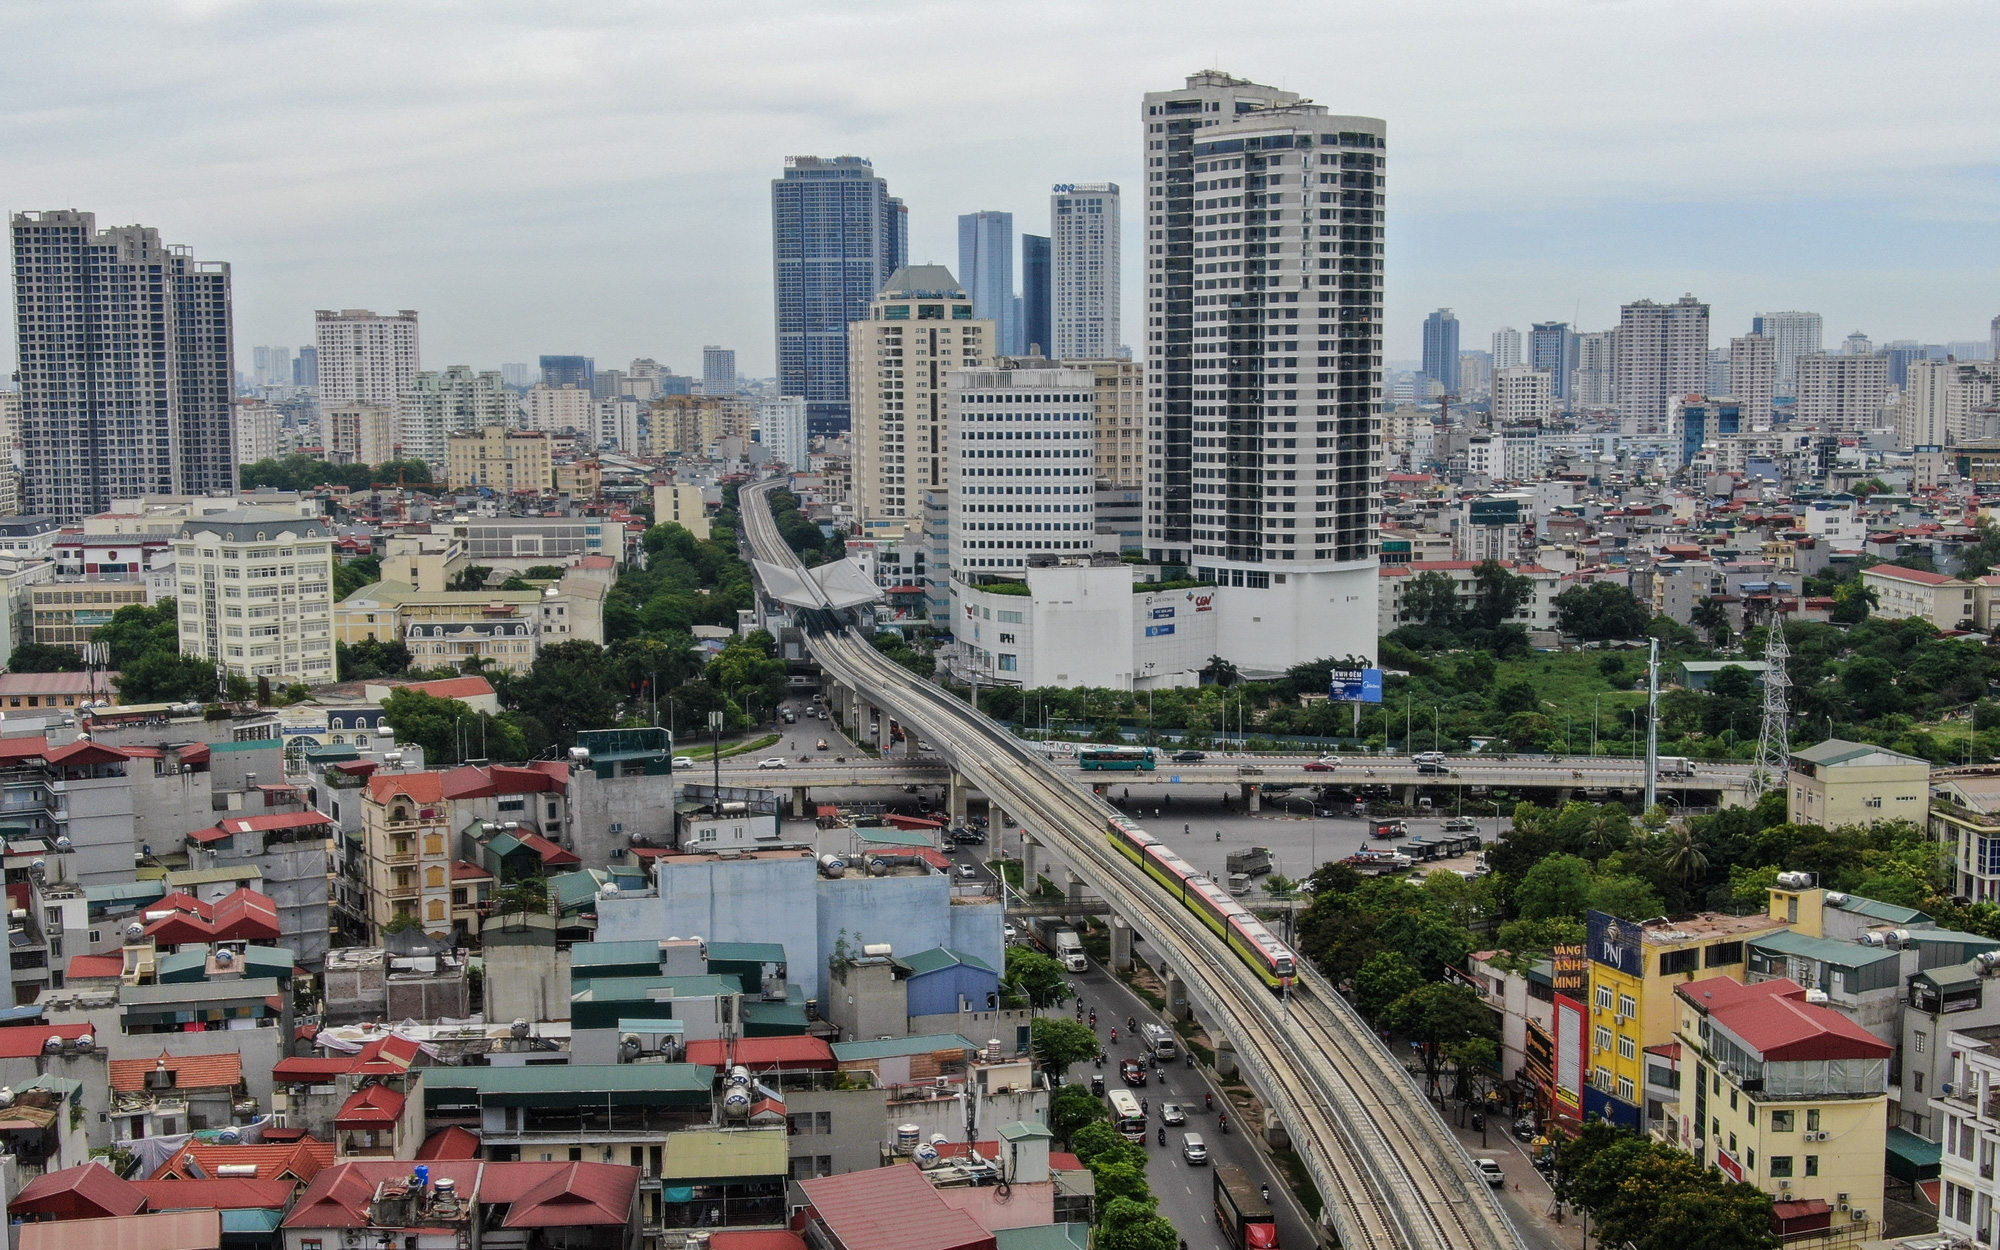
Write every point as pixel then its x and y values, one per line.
pixel 1852 603
pixel 1071 1107
pixel 1497 594
pixel 440 726
pixel 41 657
pixel 1151 1233
pixel 1515 697
pixel 351 575
pixel 1036 977
pixel 371 658
pixel 1599 612
pixel 167 677
pixel 1383 981
pixel 471 577
pixel 138 629
pixel 1058 1043
pixel 1557 888
pixel 1219 672
pixel 571 687
pixel 1122 1180
pixel 1712 618
pixel 1431 598
pixel 1437 1016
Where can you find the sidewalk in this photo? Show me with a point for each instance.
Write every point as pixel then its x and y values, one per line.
pixel 1527 1196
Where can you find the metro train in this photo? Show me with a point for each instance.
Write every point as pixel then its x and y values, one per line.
pixel 1253 943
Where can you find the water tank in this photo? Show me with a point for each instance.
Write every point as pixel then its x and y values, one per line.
pixel 736 1101
pixel 1816 996
pixel 1795 880
pixel 739 1076
pixel 907 1136
pixel 224 957
pixel 86 1043
pixel 696 1240
pixel 609 891
pixel 446 1189
pixel 879 950
pixel 247 1171
pixel 833 865
pixel 1901 937
pixel 579 755
pixel 630 1044
pixel 992 1050
pixel 926 1156
pixel 52 1046
pixel 135 930
pixel 1835 898
pixel 420 1176
pixel 519 1028
pixel 6 1095
pixel 63 843
pixel 878 867
pixel 229 1137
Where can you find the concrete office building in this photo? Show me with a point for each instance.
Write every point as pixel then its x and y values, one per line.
pixel 1753 377
pixel 1441 350
pixel 367 359
pixel 1552 348
pixel 1521 395
pixel 499 459
pixel 1593 384
pixel 1081 624
pixel 1084 229
pixel 781 426
pixel 1037 295
pixel 919 328
pixel 256 593
pixel 986 267
pixel 1506 348
pixel 1258 474
pixel 1022 485
pixel 1840 394
pixel 1662 352
pixel 577 371
pixel 836 236
pixel 1121 421
pixel 718 370
pixel 126 365
pixel 451 401
pixel 1793 334
pixel 615 424
pixel 358 433
pixel 554 409
pixel 305 368
pixel 1939 398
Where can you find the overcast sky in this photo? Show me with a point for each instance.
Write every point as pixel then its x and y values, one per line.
pixel 594 177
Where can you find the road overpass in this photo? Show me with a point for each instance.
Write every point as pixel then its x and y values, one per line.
pixel 1390 1171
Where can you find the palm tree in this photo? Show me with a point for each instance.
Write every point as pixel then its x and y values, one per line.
pixel 1681 853
pixel 1712 618
pixel 1219 671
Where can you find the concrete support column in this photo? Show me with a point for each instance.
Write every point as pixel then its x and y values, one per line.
pixel 1075 886
pixel 1031 863
pixel 1252 798
pixel 1177 999
pixel 1121 944
pixel 1275 1135
pixel 1225 1055
pixel 1564 795
pixel 799 808
pixel 1409 796
pixel 955 792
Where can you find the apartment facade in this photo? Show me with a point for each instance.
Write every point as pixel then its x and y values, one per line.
pixel 556 409
pixel 1121 421
pixel 259 431
pixel 66 614
pixel 256 593
pixel 1084 281
pixel 1856 783
pixel 781 427
pixel 1024 481
pixel 1521 395
pixel 1792 334
pixel 499 459
pixel 1901 594
pixel 1841 394
pixel 450 401
pixel 919 329
pixel 358 433
pixel 502 628
pixel 689 426
pixel 366 359
pixel 1753 377
pixel 1662 351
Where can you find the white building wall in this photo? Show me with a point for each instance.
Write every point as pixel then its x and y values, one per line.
pixel 1084 282
pixel 557 408
pixel 365 358
pixel 1024 446
pixel 781 421
pixel 1506 348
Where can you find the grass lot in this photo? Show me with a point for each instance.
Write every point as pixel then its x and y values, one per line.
pixel 1568 681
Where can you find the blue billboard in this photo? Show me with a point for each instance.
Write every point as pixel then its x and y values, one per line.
pixel 1617 943
pixel 1356 685
pixel 1155 631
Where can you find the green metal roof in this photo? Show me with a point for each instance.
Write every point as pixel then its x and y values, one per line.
pixel 762 1019
pixel 941 957
pixel 582 1085
pixel 896 837
pixel 641 989
pixel 1826 950
pixel 1840 751
pixel 1043 1237
pixel 710 1155
pixel 1911 1158
pixel 676 1027
pixel 1951 975
pixel 890 1047
pixel 746 952
pixel 255 1221
pixel 1024 1130
pixel 1875 909
pixel 124 890
pixel 589 955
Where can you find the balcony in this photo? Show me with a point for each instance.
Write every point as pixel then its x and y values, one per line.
pixel 403 889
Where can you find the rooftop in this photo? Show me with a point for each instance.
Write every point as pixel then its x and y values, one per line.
pixel 1866 754
pixel 889 1047
pixel 1705 926
pixel 212 1071
pixel 892 1208
pixel 1775 1020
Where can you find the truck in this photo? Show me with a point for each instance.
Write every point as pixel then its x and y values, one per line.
pixel 1251 860
pixel 1241 1212
pixel 1054 935
pixel 1676 766
pixel 1159 1040
pixel 1387 829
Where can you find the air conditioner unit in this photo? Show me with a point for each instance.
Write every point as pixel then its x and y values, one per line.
pixel 1946 1088
pixel 1818 1135
pixel 1860 1214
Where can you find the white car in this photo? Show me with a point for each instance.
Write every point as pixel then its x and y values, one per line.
pixel 1489 1171
pixel 1010 935
pixel 967 871
pixel 775 761
pixel 683 761
pixel 1328 759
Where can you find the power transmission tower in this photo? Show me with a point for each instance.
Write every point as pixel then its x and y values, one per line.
pixel 1774 741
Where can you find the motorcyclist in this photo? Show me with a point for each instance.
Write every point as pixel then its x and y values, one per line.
pixel 1163 1134
pixel 1131 1024
pixel 1218 835
pixel 1222 1121
pixel 1266 1189
pixel 1093 1019
pixel 1208 1102
pixel 1114 1035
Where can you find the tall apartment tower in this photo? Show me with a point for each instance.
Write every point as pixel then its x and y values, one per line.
pixel 577 371
pixel 368 359
pixel 1794 334
pixel 305 367
pixel 1037 296
pixel 1552 348
pixel 1263 320
pixel 1753 378
pixel 920 327
pixel 1506 348
pixel 1441 349
pixel 127 367
pixel 1083 219
pixel 1662 352
pixel 986 264
pixel 781 427
pixel 1841 394
pixel 836 237
pixel 1591 384
pixel 718 370
pixel 1521 395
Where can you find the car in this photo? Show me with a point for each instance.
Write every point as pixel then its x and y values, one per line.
pixel 775 761
pixel 1132 1072
pixel 790 717
pixel 1490 1171
pixel 1172 1113
pixel 1097 1084
pixel 966 872
pixel 1194 1149
pixel 1525 1129
pixel 1011 935
pixel 1189 757
pixel 1319 766
pixel 1328 759
pixel 1460 824
pixel 683 761
pixel 821 745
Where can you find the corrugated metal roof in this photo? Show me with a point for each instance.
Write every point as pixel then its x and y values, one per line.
pixel 746 952
pixel 620 1084
pixel 725 1154
pixel 892 1046
pixel 1828 950
pixel 941 957
pixel 176 1230
pixel 891 1208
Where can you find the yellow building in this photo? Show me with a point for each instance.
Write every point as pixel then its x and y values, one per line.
pixel 1854 783
pixel 691 425
pixel 682 505
pixel 1634 968
pixel 1783 1093
pixel 1121 420
pixel 501 627
pixel 579 479
pixel 423 560
pixel 67 614
pixel 500 459
pixel 1902 593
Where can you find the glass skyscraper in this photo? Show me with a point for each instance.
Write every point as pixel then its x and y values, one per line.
pixel 577 371
pixel 1552 349
pixel 986 266
pixel 836 236
pixel 1037 318
pixel 1441 349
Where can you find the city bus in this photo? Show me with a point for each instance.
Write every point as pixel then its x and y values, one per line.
pixel 1126 1116
pixel 1118 759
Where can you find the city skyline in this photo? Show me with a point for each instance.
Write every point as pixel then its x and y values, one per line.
pixel 1496 214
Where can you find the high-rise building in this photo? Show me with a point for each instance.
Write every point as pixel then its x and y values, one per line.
pixel 553 409
pixel 1037 296
pixel 1121 420
pixel 1024 466
pixel 1993 340
pixel 367 359
pixel 577 371
pixel 1521 395
pixel 1794 334
pixel 1475 374
pixel 616 424
pixel 258 431
pixel 271 366
pixel 1841 394
pixel 438 404
pixel 986 265
pixel 305 367
pixel 1939 401
pixel 1594 385
pixel 1753 378
pixel 1552 349
pixel 718 370
pixel 1261 474
pixel 781 427
pixel 357 433
pixel 1506 348
pixel 1662 352
pixel 1857 344
pixel 518 375
pixel 1084 226
pixel 836 237
pixel 126 366
pixel 282 565
pixel 919 328
pixel 1441 349
pixel 1718 372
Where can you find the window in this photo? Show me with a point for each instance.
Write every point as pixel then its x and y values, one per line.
pixel 1628 1005
pixel 1625 1088
pixel 1782 1121
pixel 1812 1120
pixel 1627 1048
pixel 1603 1037
pixel 1781 1166
pixel 1674 963
pixel 1921 1041
pixel 1604 998
pixel 1723 954
pixel 1812 1165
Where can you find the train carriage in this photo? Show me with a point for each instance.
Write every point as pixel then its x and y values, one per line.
pixel 1248 936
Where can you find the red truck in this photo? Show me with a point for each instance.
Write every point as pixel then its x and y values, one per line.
pixel 1241 1211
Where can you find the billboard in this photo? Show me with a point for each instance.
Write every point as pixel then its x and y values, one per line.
pixel 1617 943
pixel 1572 970
pixel 1155 631
pixel 1356 685
pixel 1570 1025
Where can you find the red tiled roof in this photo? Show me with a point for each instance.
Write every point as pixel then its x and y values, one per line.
pixel 759 1053
pixel 452 687
pixel 211 1071
pixel 755 1239
pixel 85 1192
pixel 892 1208
pixel 371 1107
pixel 259 824
pixel 93 967
pixel 22 748
pixel 1063 1161
pixel 462 871
pixel 1898 573
pixel 1774 1019
pixel 538 1194
pixel 222 1193
pixel 450 1143
pixel 552 855
pixel 26 1041
pixel 581 1193
pixel 301 1160
pixel 391 1054
pixel 81 753
pixel 307 1071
